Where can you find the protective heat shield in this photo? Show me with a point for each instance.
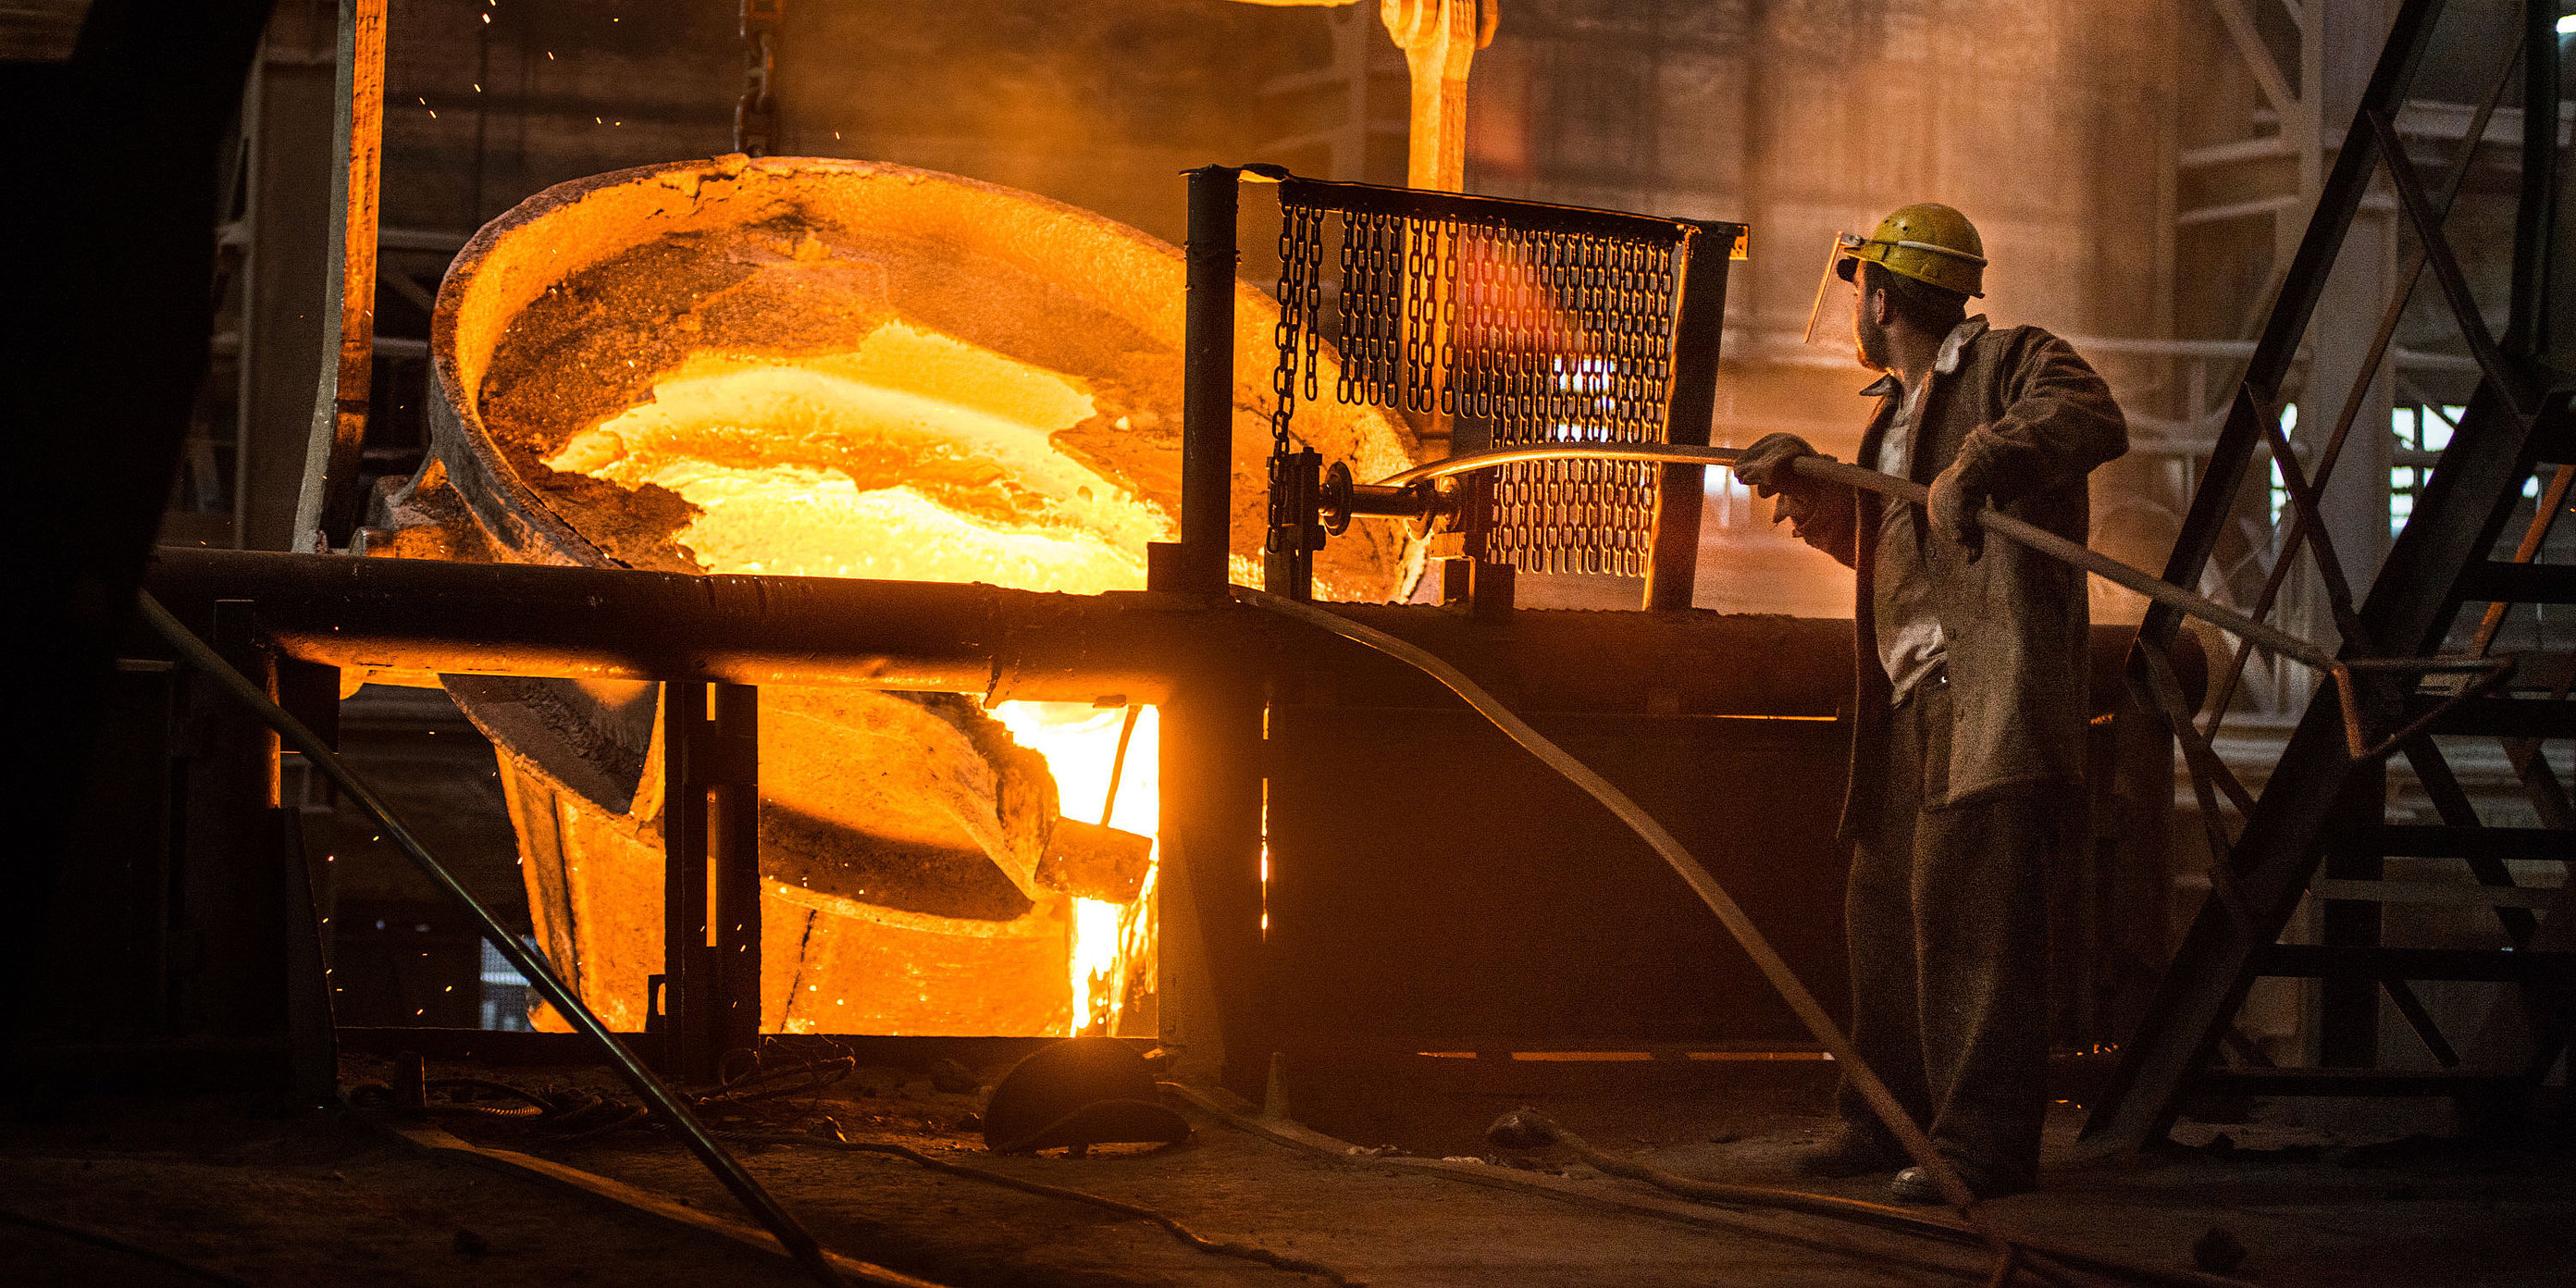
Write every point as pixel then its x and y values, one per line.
pixel 1830 321
pixel 836 368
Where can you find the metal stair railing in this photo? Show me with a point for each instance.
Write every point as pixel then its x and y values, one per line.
pixel 2304 815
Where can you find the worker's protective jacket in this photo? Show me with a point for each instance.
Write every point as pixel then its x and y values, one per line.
pixel 2026 416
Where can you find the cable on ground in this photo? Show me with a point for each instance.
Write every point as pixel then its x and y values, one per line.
pixel 1171 1225
pixel 102 1239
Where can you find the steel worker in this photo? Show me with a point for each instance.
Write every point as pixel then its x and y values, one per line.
pixel 1967 747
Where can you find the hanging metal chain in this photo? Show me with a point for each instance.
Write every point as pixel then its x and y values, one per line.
pixel 755 114
pixel 1515 319
pixel 1301 258
pixel 1545 336
pixel 1295 535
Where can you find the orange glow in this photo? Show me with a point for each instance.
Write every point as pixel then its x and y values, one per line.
pixel 1080 743
pixel 915 458
pixel 923 458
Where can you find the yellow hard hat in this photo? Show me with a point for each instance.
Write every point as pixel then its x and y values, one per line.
pixel 1926 241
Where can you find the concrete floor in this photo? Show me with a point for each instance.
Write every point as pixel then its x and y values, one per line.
pixel 223 1194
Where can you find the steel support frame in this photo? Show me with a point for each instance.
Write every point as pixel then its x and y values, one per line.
pixel 710 875
pixel 2258 394
pixel 328 508
pixel 250 960
pixel 1672 561
pixel 2409 607
pixel 2304 521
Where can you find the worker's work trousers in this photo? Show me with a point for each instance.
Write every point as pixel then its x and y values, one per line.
pixel 1947 914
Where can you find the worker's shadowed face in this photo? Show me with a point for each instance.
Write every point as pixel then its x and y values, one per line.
pixel 1869 335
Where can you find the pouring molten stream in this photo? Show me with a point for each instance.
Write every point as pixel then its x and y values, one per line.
pixel 916 457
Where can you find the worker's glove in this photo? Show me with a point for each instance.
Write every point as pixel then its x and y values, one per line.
pixel 1957 494
pixel 1765 468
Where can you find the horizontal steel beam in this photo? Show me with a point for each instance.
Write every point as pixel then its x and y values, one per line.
pixel 2351 1082
pixel 2336 961
pixel 434 616
pixel 437 617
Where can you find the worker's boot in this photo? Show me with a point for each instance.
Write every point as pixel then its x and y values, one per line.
pixel 1916 1186
pixel 1846 1152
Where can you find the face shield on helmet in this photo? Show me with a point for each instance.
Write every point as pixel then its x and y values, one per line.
pixel 1829 323
pixel 1927 243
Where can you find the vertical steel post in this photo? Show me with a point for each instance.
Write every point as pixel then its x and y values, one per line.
pixel 311 693
pixel 1207 382
pixel 755 115
pixel 734 857
pixel 1672 560
pixel 710 875
pixel 2535 215
pixel 329 505
pixel 232 941
pixel 1211 730
pixel 1212 788
pixel 2348 1004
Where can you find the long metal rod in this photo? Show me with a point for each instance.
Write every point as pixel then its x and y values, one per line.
pixel 1829 471
pixel 728 1170
pixel 1823 470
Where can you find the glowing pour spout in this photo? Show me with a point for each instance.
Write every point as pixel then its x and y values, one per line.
pixel 1080 743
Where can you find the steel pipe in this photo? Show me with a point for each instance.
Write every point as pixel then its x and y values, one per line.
pixel 1826 470
pixel 434 617
pixel 439 617
pixel 1207 381
pixel 2357 743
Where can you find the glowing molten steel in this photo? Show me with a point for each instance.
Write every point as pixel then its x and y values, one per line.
pixel 916 457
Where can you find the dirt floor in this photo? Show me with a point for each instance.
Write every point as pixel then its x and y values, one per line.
pixel 215 1192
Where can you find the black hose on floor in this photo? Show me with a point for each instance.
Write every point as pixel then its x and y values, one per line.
pixel 1170 1224
pixel 1527 1126
pixel 102 1239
